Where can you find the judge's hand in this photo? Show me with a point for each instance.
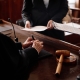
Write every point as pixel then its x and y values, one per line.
pixel 28 42
pixel 50 24
pixel 38 45
pixel 27 24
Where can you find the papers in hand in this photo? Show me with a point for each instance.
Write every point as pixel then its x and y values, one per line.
pixel 69 27
pixel 35 28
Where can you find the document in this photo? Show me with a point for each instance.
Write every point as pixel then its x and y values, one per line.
pixel 35 28
pixel 73 25
pixel 69 27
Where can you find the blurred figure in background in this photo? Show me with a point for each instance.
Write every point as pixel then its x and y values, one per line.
pixel 43 13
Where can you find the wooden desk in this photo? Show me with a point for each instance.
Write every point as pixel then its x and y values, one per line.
pixel 45 69
pixel 73 38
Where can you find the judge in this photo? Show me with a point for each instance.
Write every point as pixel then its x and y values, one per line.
pixel 17 58
pixel 43 13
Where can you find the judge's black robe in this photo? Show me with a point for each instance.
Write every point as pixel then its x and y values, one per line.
pixel 14 61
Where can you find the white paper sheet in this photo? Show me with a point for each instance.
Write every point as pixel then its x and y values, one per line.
pixel 73 25
pixel 35 28
pixel 69 27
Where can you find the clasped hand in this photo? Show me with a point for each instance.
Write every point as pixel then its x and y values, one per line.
pixel 38 45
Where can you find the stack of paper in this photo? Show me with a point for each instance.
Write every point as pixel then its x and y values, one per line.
pixel 69 27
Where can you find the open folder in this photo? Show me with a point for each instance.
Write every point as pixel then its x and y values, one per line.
pixel 70 27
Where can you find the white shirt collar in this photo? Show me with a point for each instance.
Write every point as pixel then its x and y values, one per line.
pixel 46 2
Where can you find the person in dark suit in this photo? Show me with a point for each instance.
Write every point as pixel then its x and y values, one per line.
pixel 43 13
pixel 15 61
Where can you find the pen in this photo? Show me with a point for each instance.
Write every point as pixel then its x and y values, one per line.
pixel 33 37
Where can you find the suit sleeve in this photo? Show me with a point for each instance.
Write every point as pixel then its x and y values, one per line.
pixel 29 58
pixel 62 12
pixel 30 55
pixel 26 10
pixel 18 45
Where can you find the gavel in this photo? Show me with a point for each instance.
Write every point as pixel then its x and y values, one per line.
pixel 61 54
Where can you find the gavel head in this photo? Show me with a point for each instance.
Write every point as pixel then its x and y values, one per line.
pixel 65 53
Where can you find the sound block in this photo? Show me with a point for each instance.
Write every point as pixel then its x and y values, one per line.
pixel 72 59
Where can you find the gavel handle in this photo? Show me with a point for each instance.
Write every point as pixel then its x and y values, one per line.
pixel 59 66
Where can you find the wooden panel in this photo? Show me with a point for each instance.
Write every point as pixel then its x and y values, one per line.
pixel 4 9
pixel 10 9
pixel 73 38
pixel 75 13
pixel 15 9
pixel 77 5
